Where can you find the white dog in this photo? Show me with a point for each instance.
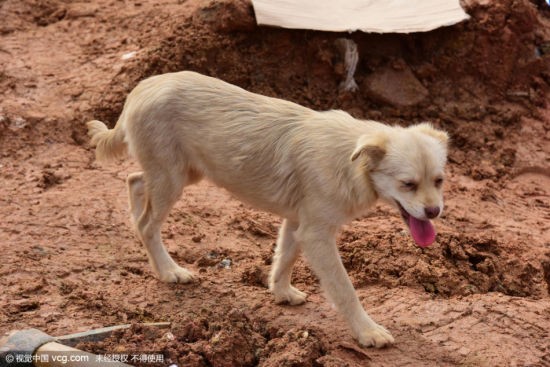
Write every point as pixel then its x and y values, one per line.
pixel 317 170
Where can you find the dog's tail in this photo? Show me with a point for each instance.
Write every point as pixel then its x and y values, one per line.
pixel 109 143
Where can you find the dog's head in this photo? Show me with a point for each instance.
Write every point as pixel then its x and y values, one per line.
pixel 406 167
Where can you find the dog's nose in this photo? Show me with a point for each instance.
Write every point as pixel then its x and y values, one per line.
pixel 431 211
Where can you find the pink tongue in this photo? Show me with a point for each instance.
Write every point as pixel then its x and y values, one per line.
pixel 422 231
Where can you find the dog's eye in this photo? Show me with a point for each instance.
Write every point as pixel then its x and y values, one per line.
pixel 410 185
pixel 438 182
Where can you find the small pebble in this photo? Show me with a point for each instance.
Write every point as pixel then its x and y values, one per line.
pixel 225 263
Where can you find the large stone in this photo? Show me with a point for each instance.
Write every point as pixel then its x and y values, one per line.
pixel 397 87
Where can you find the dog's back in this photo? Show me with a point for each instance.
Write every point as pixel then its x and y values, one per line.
pixel 255 146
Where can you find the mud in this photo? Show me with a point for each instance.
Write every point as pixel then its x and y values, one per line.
pixel 478 297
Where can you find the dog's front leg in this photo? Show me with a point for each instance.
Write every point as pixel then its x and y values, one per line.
pixel 319 246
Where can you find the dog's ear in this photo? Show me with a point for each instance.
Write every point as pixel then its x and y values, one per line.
pixel 428 129
pixel 372 146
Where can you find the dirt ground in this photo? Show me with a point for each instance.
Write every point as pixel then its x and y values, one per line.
pixel 478 297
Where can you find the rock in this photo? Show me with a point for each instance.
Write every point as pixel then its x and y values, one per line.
pixel 255 275
pixel 225 263
pixel 399 88
pixel 23 305
pixel 227 16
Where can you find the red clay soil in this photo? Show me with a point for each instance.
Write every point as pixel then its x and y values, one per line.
pixel 71 262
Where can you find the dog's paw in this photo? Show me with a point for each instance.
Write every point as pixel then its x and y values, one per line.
pixel 176 275
pixel 289 295
pixel 376 336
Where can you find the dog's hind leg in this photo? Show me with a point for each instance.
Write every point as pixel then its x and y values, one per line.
pixel 286 253
pixel 136 195
pixel 151 198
